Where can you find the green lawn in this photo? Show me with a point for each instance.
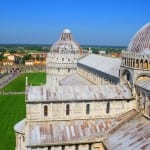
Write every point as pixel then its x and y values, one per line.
pixel 18 85
pixel 12 110
pixel 12 107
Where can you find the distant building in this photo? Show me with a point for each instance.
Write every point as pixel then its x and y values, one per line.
pixel 29 62
pixel 77 110
pixel 39 55
pixel 114 54
pixel 62 58
pixel 102 52
pixel 8 62
pixel 39 62
pixel 11 57
pixel 6 54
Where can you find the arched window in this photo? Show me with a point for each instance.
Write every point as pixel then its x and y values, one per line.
pixel 128 76
pixel 141 64
pixel 133 65
pixel 107 107
pixel 87 109
pixel 45 110
pixel 137 63
pixel 67 109
pixel 145 66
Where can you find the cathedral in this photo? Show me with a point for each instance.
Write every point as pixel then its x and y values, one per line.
pixel 90 102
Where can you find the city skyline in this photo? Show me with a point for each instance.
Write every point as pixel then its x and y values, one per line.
pixel 110 22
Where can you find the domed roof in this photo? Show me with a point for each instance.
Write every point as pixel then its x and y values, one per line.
pixel 141 41
pixel 66 31
pixel 65 44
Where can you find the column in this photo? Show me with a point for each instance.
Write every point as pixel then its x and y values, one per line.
pixel 83 147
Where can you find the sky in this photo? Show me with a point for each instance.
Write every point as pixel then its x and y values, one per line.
pixel 92 22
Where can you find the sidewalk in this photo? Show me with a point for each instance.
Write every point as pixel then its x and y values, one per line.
pixel 11 93
pixel 6 79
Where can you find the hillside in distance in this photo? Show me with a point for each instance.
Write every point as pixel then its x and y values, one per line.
pixel 45 48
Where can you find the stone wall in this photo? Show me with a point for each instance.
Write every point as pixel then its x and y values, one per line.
pixel 136 60
pixel 78 110
pixel 60 65
pixel 143 101
pixel 97 78
pixel 20 141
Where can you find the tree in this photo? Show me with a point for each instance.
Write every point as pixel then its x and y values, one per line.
pixel 13 51
pixel 27 57
pixel 37 57
pixel 18 60
pixel 1 56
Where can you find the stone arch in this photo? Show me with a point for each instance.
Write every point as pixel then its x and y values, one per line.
pixel 145 65
pixel 141 64
pixel 142 76
pixel 15 69
pixel 141 92
pixel 133 62
pixel 130 62
pixel 137 63
pixel 126 76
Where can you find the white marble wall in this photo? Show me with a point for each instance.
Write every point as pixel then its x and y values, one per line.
pixel 20 141
pixel 72 147
pixel 60 65
pixel 143 101
pixel 57 111
pixel 94 78
pixel 83 147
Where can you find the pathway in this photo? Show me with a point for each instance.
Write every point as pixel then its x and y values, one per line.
pixel 6 79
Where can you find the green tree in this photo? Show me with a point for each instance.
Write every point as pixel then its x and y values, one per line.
pixel 1 56
pixel 13 51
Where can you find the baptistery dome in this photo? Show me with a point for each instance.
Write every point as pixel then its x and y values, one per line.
pixel 66 31
pixel 66 44
pixel 141 41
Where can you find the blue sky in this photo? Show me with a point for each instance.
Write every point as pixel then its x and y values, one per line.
pixel 97 22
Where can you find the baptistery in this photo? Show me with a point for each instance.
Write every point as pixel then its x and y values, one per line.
pixel 66 44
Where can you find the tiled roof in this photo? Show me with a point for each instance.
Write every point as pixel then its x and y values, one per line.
pixel 59 132
pixel 133 135
pixel 74 80
pixel 19 127
pixel 104 64
pixel 76 93
pixel 145 84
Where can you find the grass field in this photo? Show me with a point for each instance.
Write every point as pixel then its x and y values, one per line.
pixel 12 110
pixel 18 85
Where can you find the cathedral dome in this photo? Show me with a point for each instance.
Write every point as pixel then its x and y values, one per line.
pixel 141 41
pixel 66 44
